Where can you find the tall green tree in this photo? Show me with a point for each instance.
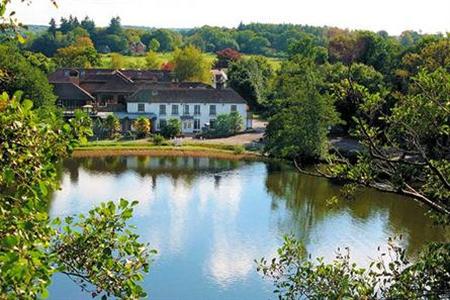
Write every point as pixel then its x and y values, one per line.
pixel 299 128
pixel 251 79
pixel 81 55
pixel 191 65
pixel 18 73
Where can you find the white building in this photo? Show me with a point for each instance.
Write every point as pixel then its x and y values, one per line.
pixel 196 108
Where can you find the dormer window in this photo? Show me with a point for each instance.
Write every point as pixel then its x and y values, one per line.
pixel 141 107
pixel 73 73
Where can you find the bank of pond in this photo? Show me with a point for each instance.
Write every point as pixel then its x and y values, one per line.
pixel 209 218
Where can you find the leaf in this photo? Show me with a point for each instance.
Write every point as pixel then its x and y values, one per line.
pixel 43 189
pixel 27 105
pixel 123 203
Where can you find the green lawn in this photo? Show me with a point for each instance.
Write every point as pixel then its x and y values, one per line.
pixel 139 61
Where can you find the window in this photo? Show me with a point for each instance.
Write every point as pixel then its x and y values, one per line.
pixel 212 110
pixel 162 110
pixel 175 109
pixel 104 99
pixel 212 124
pixel 196 124
pixel 233 108
pixel 186 109
pixel 141 107
pixel 196 109
pixel 162 123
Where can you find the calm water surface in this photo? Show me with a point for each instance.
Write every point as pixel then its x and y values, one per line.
pixel 209 219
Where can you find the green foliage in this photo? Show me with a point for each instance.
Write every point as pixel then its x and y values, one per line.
pixel 19 73
pixel 298 130
pixel 171 129
pixel 100 249
pixel 225 125
pixel 238 149
pixel 191 65
pixel 142 126
pixel 154 45
pixel 112 125
pixel 112 259
pixel 158 140
pixel 251 79
pixel 392 276
pixel 152 61
pixel 117 61
pixel 81 55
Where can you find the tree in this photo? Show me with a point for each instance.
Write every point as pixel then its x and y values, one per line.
pixel 117 61
pixel 296 277
pixel 52 28
pixel 364 79
pixel 115 27
pixel 225 57
pixel 226 125
pixel 88 25
pixel 81 55
pixel 411 148
pixel 171 129
pixel 152 61
pixel 18 73
pixel 40 61
pixel 34 247
pixel 142 126
pixel 112 125
pixel 153 45
pixel 299 127
pixel 251 79
pixel 99 250
pixel 191 65
pixel 168 39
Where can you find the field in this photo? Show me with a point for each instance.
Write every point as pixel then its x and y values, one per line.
pixel 139 61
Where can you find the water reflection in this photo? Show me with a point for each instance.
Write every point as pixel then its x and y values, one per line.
pixel 209 219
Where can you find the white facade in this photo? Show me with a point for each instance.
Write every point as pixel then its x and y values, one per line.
pixel 193 116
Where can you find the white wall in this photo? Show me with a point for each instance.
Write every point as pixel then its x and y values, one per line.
pixel 204 116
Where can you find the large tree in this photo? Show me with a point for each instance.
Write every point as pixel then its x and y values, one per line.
pixel 80 55
pixel 251 79
pixel 298 129
pixel 18 73
pixel 191 65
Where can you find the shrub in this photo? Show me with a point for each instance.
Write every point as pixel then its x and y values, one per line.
pixel 158 139
pixel 142 127
pixel 238 149
pixel 171 129
pixel 112 126
pixel 226 125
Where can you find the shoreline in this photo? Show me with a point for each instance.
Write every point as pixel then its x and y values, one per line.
pixel 164 151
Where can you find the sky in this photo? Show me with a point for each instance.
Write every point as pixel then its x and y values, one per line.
pixel 394 16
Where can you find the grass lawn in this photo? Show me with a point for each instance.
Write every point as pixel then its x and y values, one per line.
pixel 146 147
pixel 139 61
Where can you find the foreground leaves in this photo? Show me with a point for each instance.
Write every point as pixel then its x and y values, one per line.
pixel 391 276
pixel 100 250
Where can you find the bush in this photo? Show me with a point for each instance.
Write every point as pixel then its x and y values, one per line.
pixel 171 129
pixel 226 125
pixel 142 127
pixel 158 139
pixel 112 126
pixel 238 149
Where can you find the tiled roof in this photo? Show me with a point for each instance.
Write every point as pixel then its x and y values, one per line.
pixel 186 95
pixel 104 74
pixel 70 91
pixel 142 86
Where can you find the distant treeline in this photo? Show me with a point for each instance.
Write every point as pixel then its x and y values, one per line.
pixel 255 38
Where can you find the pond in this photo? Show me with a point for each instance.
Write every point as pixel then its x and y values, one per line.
pixel 210 218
